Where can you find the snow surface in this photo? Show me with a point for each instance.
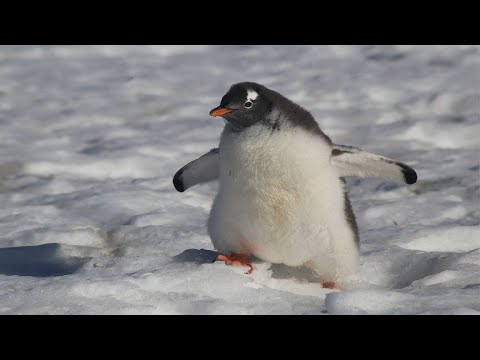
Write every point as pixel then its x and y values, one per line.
pixel 91 136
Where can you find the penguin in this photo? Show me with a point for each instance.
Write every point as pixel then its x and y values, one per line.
pixel 282 196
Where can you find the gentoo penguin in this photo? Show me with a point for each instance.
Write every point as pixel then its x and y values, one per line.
pixel 281 195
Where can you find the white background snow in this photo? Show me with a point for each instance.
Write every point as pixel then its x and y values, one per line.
pixel 91 136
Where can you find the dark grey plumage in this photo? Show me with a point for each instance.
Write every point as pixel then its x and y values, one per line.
pixel 270 108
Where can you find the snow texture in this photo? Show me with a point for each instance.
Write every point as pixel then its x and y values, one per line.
pixel 91 136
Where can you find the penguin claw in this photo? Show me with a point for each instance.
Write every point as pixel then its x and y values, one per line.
pixel 329 285
pixel 236 260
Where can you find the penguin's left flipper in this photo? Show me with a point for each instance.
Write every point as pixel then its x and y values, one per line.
pixel 201 170
pixel 351 161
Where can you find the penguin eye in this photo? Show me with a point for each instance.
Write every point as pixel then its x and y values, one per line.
pixel 248 104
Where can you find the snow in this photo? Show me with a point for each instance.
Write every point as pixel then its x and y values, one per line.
pixel 91 136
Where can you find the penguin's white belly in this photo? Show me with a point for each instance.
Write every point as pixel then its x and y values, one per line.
pixel 280 200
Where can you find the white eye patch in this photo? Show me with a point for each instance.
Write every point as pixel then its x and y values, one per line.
pixel 251 95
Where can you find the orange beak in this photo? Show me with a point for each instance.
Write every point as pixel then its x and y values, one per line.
pixel 220 111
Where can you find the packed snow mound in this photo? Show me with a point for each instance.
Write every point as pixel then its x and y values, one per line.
pixel 91 136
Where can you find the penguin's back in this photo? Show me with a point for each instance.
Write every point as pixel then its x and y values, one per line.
pixel 279 196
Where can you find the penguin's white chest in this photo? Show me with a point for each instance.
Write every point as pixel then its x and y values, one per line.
pixel 278 195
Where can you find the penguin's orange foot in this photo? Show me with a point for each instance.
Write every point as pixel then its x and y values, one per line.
pixel 236 260
pixel 329 285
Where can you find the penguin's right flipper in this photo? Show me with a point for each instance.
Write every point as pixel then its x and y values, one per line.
pixel 201 170
pixel 351 161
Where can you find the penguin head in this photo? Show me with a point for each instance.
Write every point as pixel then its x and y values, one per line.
pixel 244 105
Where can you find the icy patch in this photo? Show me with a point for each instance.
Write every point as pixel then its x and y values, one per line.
pixel 454 239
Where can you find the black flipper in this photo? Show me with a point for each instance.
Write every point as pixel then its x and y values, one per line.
pixel 351 161
pixel 201 170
